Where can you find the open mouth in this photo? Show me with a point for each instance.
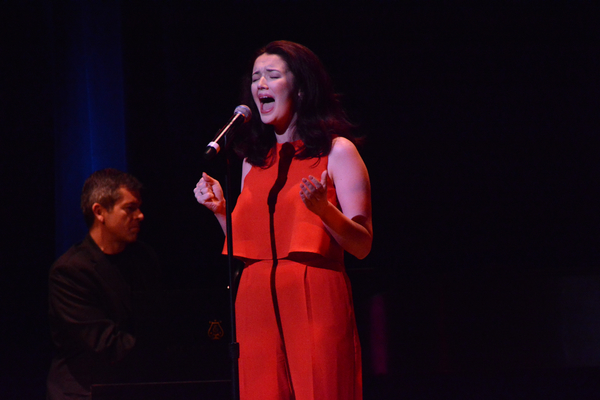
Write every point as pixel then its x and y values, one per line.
pixel 267 103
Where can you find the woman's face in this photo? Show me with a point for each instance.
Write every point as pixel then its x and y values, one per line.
pixel 273 92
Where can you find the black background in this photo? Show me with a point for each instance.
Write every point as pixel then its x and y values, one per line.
pixel 481 126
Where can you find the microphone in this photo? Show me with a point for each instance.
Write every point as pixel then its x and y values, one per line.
pixel 241 115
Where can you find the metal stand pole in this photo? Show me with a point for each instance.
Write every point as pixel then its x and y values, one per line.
pixel 234 349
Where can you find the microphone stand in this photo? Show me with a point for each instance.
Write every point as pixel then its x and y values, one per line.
pixel 234 347
pixel 210 153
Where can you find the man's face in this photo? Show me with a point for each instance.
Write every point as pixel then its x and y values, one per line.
pixel 122 222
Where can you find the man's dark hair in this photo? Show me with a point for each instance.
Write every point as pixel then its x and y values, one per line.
pixel 102 187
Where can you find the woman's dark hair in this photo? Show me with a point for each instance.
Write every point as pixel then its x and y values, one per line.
pixel 320 114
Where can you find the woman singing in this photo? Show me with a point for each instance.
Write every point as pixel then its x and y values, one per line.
pixel 305 199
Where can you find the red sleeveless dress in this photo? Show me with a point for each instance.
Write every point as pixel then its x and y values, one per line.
pixel 294 314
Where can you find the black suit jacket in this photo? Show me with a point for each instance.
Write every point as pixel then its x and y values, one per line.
pixel 99 307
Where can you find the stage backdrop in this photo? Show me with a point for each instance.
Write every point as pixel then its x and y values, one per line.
pixel 481 130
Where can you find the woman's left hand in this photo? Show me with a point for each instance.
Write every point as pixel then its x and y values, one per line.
pixel 314 193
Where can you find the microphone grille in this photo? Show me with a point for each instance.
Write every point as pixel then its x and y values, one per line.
pixel 245 111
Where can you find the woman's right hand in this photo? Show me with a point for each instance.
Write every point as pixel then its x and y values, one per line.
pixel 208 192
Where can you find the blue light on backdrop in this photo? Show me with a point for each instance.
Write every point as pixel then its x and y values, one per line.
pixel 89 111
